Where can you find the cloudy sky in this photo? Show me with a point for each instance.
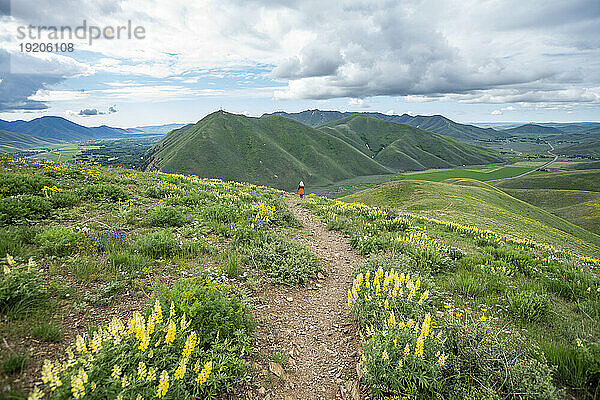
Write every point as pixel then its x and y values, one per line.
pixel 471 60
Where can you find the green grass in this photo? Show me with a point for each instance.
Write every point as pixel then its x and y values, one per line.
pixel 565 180
pixel 480 175
pixel 481 205
pixel 580 207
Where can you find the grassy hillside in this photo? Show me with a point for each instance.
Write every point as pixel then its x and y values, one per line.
pixel 93 254
pixel 474 203
pixel 453 311
pixel 274 151
pixel 580 207
pixel 402 147
pixel 483 174
pixel 565 180
pixel 14 141
pixel 586 149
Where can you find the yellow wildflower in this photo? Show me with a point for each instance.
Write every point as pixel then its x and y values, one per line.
pixel 407 350
pixel 96 342
pixel 204 374
pixel 483 318
pixel 142 370
pixel 36 394
pixel 11 261
pixel 172 310
pixel 442 359
pixel 170 336
pixel 385 355
pixel 151 376
pixel 181 368
pixel 190 344
pixel 157 312
pixel 50 375
pixel 80 344
pixel 419 346
pixel 77 387
pixel 116 372
pixel 163 384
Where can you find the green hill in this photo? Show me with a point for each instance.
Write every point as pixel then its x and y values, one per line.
pixel 403 147
pixel 580 207
pixel 15 141
pixel 478 204
pixel 278 151
pixel 274 151
pixel 565 180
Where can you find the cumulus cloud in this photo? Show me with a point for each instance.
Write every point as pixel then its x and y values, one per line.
pixel 493 52
pixel 112 109
pixel 496 112
pixel 89 111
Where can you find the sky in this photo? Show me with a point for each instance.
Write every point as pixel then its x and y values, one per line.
pixel 470 60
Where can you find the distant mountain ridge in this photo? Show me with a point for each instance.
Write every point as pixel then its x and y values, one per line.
pixel 434 123
pixel 278 151
pixel 60 129
pixel 48 130
pixel 534 129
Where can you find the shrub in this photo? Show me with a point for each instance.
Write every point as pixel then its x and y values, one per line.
pixel 59 240
pixel 20 289
pixel 158 244
pixel 402 354
pixel 15 184
pixel 214 312
pixel 167 216
pixel 489 361
pixel 285 261
pixel 23 207
pixel 105 192
pixel 284 217
pixel 64 199
pixel 48 332
pixel 14 362
pixel 528 305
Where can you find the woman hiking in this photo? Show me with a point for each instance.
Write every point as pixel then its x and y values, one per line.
pixel 301 189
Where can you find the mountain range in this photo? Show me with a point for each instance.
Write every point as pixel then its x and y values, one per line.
pixel 50 130
pixel 434 123
pixel 278 151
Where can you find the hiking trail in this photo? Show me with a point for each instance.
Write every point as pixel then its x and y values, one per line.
pixel 313 325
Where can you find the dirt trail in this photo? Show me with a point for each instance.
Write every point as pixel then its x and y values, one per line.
pixel 314 326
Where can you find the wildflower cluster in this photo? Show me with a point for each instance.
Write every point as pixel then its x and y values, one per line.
pixel 125 359
pixel 403 352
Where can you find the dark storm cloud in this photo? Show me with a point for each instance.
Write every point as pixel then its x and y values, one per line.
pixel 15 90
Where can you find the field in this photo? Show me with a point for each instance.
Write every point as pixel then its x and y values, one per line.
pixel 565 180
pixel 478 204
pixel 483 174
pixel 123 284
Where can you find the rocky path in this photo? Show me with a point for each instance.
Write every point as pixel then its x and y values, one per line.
pixel 313 325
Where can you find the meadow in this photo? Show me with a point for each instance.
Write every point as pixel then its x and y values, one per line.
pixel 119 284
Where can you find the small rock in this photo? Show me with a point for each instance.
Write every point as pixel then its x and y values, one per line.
pixel 276 368
pixel 261 390
pixel 290 299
